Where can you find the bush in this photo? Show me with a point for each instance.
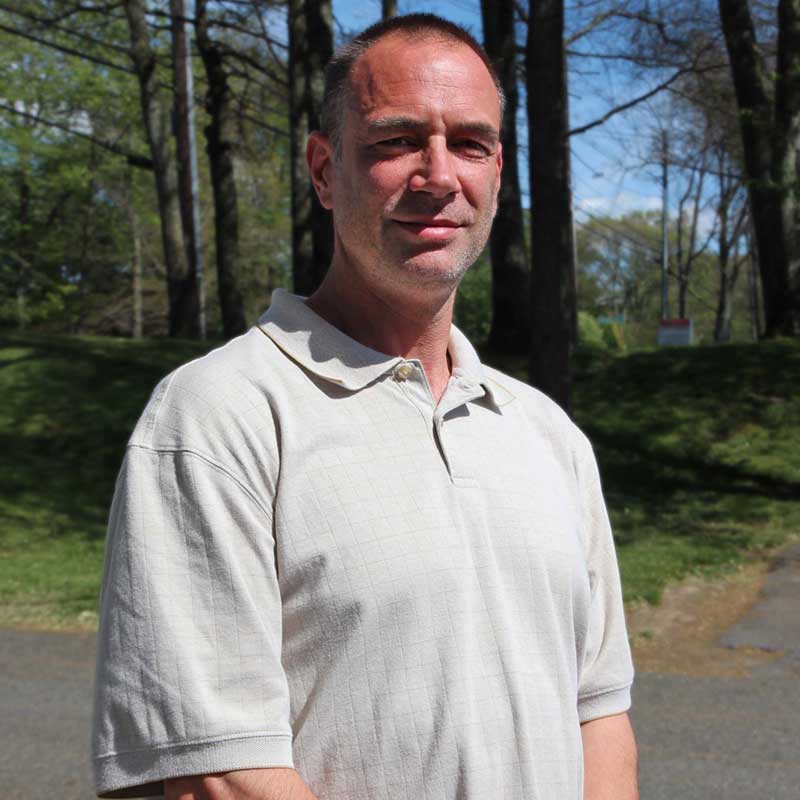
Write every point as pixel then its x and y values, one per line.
pixel 589 331
pixel 614 337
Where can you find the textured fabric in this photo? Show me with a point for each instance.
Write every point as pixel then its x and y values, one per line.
pixel 312 564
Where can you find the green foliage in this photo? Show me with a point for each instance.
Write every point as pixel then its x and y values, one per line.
pixel 619 272
pixel 614 336
pixel 590 334
pixel 473 308
pixel 698 450
pixel 67 205
pixel 63 243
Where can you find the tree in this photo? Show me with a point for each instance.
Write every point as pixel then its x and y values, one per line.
pixel 65 242
pixel 769 123
pixel 310 48
pixel 182 289
pixel 732 215
pixel 510 331
pixel 222 141
pixel 70 87
pixel 389 9
pixel 618 266
pixel 553 291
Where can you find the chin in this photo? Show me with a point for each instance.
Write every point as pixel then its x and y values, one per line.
pixel 435 268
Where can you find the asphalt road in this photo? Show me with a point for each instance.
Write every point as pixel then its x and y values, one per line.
pixel 699 738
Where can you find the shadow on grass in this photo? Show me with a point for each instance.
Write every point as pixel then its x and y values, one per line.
pixel 70 405
pixel 699 443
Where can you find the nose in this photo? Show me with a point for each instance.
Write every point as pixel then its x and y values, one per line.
pixel 437 174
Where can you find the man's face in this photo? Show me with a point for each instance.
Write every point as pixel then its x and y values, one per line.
pixel 414 185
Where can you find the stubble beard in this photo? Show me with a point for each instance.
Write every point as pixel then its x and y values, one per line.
pixel 420 267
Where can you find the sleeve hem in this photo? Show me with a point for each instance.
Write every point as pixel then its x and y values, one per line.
pixel 605 704
pixel 141 773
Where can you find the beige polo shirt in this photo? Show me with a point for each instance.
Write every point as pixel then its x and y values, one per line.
pixel 311 563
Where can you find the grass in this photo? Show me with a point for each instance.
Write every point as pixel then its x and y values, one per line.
pixel 69 405
pixel 698 450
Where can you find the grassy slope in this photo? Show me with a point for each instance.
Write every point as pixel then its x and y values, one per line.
pixel 700 455
pixel 698 450
pixel 69 405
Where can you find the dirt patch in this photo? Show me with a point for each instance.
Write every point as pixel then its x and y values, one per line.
pixel 680 636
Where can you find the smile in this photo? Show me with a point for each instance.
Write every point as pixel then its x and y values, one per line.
pixel 432 230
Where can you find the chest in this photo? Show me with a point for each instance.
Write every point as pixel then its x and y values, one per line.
pixel 382 515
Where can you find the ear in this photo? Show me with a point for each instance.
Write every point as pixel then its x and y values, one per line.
pixel 319 157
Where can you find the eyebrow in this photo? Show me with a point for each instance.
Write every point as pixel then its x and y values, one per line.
pixel 392 124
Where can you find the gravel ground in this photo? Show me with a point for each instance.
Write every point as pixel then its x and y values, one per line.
pixel 699 737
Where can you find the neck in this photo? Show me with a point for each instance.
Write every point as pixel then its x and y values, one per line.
pixel 396 324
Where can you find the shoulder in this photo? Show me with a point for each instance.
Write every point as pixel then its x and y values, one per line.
pixel 534 409
pixel 217 406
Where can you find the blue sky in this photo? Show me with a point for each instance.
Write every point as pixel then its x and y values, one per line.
pixel 608 175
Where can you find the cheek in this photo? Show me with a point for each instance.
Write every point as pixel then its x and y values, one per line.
pixel 384 182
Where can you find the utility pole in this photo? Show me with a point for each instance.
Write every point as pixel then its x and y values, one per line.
pixel 188 185
pixel 389 8
pixel 664 222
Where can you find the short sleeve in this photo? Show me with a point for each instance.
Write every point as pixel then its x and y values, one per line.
pixel 189 677
pixel 606 669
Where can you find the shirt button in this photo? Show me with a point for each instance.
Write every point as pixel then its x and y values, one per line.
pixel 403 371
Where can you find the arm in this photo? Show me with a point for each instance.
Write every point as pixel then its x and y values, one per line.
pixel 609 759
pixel 276 783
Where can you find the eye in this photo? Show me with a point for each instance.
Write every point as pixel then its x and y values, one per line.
pixel 397 142
pixel 471 148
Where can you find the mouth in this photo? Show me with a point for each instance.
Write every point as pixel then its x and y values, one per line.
pixel 431 229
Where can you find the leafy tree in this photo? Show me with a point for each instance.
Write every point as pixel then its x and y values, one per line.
pixel 64 240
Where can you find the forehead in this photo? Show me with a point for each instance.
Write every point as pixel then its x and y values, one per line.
pixel 400 74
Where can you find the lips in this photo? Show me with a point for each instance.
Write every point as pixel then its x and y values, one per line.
pixel 429 223
pixel 433 229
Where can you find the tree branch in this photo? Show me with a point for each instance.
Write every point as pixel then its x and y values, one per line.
pixel 631 103
pixel 134 159
pixel 48 23
pixel 63 49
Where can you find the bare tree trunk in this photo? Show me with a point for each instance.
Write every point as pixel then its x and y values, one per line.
pixel 722 323
pixel 302 190
pixel 729 274
pixel 687 251
pixel 786 150
pixel 510 332
pixel 553 292
pixel 755 299
pixel 319 16
pixel 136 271
pixel 183 119
pixel 181 280
pixel 222 139
pixel 389 8
pixel 24 246
pixel 770 139
pixel 310 46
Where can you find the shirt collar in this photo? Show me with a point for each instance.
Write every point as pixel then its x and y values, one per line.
pixel 324 350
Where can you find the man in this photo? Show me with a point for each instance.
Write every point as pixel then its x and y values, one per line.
pixel 346 560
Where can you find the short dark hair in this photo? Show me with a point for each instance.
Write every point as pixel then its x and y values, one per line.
pixel 340 67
